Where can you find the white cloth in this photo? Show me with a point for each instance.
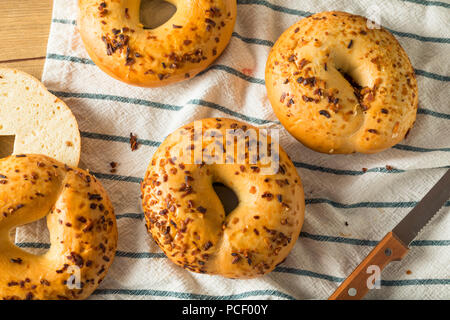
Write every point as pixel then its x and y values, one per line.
pixel 337 190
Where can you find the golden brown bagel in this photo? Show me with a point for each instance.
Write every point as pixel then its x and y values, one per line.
pixel 179 49
pixel 340 87
pixel 187 219
pixel 80 219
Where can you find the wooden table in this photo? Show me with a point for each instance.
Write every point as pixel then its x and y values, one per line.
pixel 25 26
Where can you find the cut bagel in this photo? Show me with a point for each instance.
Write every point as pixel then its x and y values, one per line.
pixel 40 122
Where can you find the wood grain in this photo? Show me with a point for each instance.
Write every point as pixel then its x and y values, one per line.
pixel 25 26
pixel 355 287
pixel 33 67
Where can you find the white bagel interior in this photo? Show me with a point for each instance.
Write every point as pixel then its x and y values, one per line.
pixel 40 122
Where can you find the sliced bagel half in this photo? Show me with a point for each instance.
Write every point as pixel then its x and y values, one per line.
pixel 40 122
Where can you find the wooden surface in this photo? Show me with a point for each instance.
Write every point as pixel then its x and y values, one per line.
pixel 25 26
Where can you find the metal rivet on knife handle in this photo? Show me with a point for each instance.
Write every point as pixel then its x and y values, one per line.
pixel 377 257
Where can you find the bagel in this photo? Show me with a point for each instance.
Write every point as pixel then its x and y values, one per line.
pixel 40 122
pixel 339 86
pixel 179 49
pixel 187 219
pixel 80 219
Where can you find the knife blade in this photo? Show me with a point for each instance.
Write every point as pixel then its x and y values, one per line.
pixel 407 229
pixel 394 246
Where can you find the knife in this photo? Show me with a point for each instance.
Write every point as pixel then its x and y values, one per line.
pixel 394 246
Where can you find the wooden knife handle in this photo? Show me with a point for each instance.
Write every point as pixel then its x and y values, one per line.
pixel 355 286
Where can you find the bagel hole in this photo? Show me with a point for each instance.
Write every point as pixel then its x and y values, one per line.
pixel 227 196
pixel 34 237
pixel 355 85
pixel 154 13
pixel 6 146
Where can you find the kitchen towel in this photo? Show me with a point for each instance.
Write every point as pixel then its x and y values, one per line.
pixel 352 201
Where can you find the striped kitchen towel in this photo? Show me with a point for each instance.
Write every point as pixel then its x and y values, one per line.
pixel 352 201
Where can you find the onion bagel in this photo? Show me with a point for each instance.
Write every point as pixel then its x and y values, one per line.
pixel 179 49
pixel 339 86
pixel 187 219
pixel 80 219
pixel 40 122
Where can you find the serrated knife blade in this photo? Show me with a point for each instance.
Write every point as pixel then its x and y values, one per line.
pixel 408 228
pixel 395 245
